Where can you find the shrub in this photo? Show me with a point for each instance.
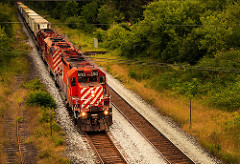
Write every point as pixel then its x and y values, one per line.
pixel 164 81
pixel 228 99
pixel 233 127
pixel 139 75
pixel 116 36
pixel 56 127
pixel 34 84
pixel 59 142
pixel 41 98
pixel 72 22
pixel 100 34
pixel 47 115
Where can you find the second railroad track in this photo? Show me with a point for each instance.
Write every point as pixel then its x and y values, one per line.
pixel 162 144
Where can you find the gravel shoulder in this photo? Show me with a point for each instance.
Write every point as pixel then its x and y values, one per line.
pixel 165 125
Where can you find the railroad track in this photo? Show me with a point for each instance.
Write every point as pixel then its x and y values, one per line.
pixel 104 148
pixel 12 146
pixel 164 146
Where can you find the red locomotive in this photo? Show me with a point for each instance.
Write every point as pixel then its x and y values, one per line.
pixel 83 86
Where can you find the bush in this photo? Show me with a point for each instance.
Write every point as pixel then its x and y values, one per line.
pixel 47 117
pixel 72 22
pixel 34 84
pixel 228 99
pixel 140 74
pixel 59 142
pixel 56 127
pixel 233 127
pixel 41 98
pixel 164 81
pixel 116 36
pixel 100 34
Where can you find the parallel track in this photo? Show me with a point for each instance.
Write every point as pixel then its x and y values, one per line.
pixel 161 144
pixel 104 148
pixel 13 142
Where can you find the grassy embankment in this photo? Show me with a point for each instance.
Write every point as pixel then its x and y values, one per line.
pixel 49 149
pixel 216 129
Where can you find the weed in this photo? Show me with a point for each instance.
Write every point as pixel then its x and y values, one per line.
pixel 44 154
pixel 2 112
pixel 232 127
pixel 231 158
pixel 38 133
pixel 120 78
pixel 56 127
pixel 150 100
pixel 29 140
pixel 109 69
pixel 215 148
pixel 64 161
pixel 59 142
pixel 20 119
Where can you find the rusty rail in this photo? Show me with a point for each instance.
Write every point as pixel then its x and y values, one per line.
pixel 168 150
pixel 104 148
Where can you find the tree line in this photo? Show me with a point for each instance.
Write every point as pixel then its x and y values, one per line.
pixel 202 33
pixel 167 31
pixel 6 31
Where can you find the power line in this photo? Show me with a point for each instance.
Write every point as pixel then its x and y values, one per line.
pixel 174 66
pixel 163 25
pixel 151 64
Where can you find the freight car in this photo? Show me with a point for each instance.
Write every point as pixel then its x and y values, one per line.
pixel 83 86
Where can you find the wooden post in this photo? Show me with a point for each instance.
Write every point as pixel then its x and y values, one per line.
pixel 51 120
pixel 190 114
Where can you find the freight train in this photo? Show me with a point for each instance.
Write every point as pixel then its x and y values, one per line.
pixel 83 86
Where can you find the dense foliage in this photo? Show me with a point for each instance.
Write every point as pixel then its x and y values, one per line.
pixel 6 31
pixel 167 31
pixel 203 33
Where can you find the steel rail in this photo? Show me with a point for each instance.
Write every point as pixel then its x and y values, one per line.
pixel 100 156
pixel 191 161
pixel 94 148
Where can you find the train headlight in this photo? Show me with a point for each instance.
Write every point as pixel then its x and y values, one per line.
pixel 83 114
pixel 92 94
pixel 106 112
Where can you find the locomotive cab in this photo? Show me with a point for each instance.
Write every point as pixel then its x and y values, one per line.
pixel 89 100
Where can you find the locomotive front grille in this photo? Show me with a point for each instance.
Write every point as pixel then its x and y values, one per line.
pixel 94 109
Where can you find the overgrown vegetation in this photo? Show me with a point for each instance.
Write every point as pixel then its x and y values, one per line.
pixel 47 134
pixel 13 62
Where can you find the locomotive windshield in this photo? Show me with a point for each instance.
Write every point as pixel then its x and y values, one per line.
pixel 87 79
